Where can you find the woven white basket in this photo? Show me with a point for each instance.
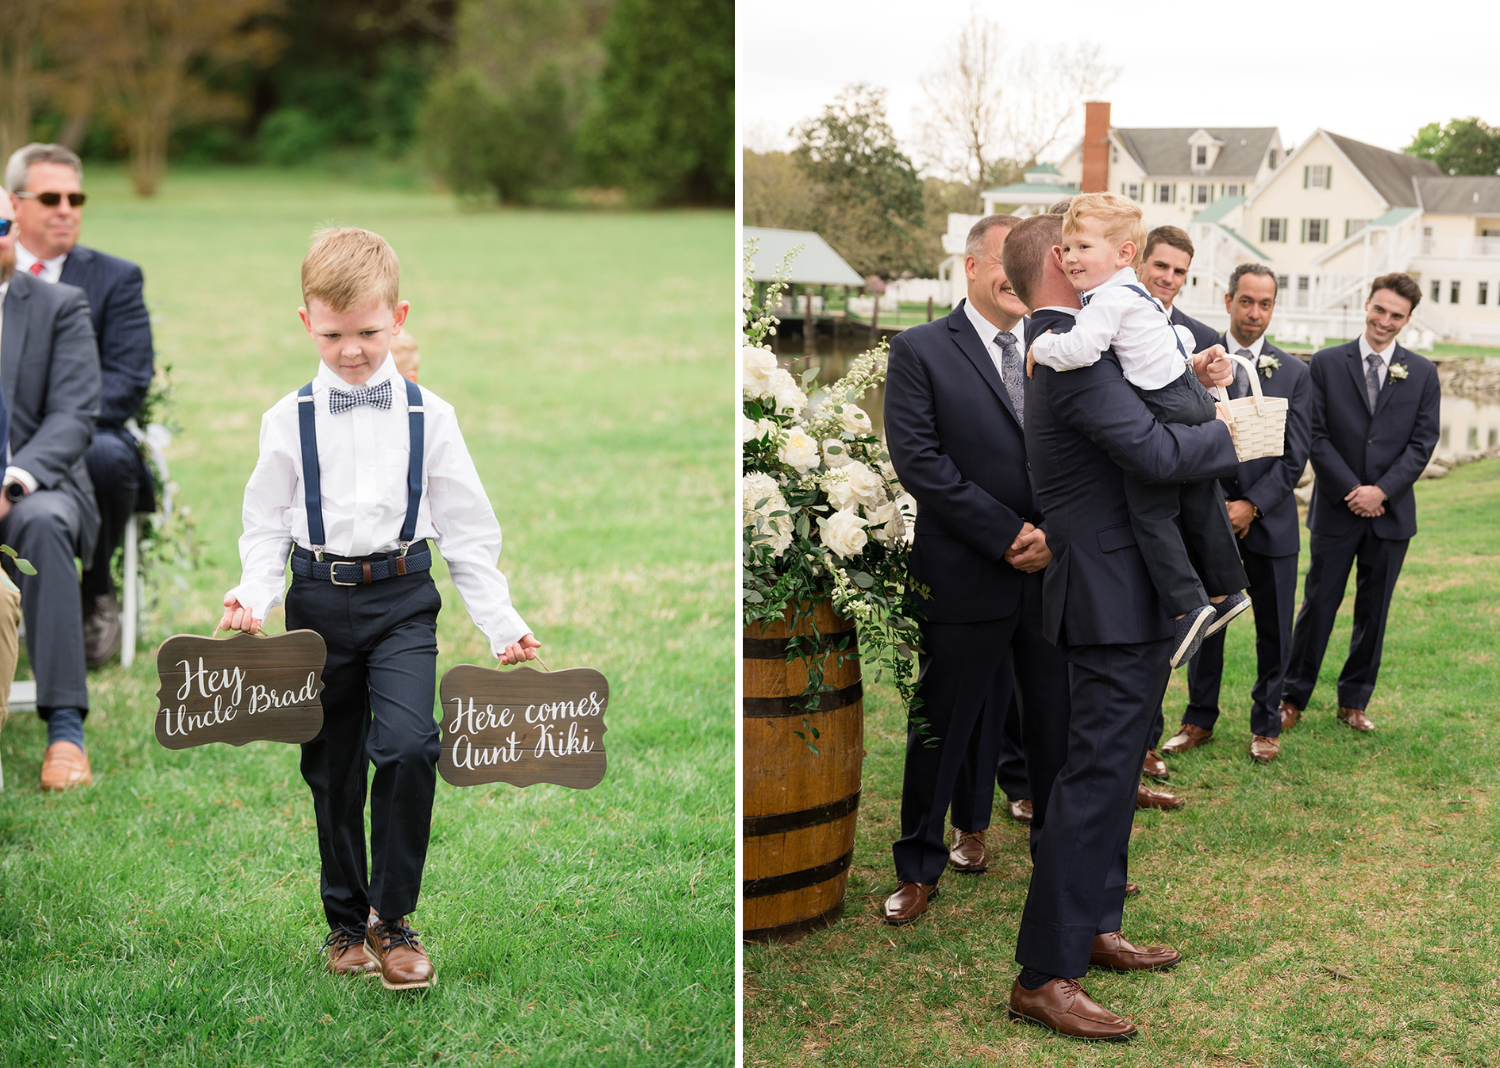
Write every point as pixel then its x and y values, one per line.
pixel 1258 422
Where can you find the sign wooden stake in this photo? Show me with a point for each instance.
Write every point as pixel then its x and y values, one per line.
pixel 239 690
pixel 523 726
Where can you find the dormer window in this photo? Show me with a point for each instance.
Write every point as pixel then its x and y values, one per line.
pixel 1200 156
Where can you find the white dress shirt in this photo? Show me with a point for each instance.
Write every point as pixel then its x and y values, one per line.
pixel 1136 327
pixel 1365 351
pixel 987 331
pixel 51 269
pixel 1234 345
pixel 363 456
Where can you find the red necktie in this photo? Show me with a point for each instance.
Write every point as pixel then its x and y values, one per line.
pixel 37 268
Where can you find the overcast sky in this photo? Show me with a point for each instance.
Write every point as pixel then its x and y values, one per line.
pixel 1294 64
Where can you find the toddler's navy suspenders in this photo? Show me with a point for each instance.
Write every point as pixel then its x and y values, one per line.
pixel 1164 311
pixel 358 573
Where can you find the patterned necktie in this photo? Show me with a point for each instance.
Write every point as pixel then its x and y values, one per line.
pixel 1013 373
pixel 37 268
pixel 1372 380
pixel 340 401
pixel 1240 387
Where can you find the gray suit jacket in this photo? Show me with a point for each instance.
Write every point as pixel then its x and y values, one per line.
pixel 49 371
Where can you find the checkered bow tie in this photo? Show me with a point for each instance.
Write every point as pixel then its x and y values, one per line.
pixel 340 401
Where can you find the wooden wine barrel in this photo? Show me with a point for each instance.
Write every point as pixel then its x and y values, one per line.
pixel 799 807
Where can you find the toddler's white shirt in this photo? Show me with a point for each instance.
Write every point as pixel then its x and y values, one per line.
pixel 1136 327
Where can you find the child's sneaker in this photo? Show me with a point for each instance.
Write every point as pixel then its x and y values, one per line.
pixel 404 964
pixel 1226 610
pixel 1188 633
pixel 346 952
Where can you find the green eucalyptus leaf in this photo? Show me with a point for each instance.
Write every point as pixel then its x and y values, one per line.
pixel 24 566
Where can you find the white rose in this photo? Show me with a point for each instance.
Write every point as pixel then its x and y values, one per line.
pixel 887 526
pixel 749 430
pixel 835 454
pixel 789 396
pixel 799 450
pixel 840 493
pixel 758 364
pixel 854 419
pixel 777 532
pixel 908 505
pixel 868 487
pixel 844 533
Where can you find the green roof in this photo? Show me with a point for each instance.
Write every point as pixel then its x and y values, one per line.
pixel 1218 209
pixel 816 264
pixel 1261 256
pixel 1044 168
pixel 1392 217
pixel 1031 192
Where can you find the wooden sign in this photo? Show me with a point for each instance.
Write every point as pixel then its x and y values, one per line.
pixel 523 726
pixel 242 689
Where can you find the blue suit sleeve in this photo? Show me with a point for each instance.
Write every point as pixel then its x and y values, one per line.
pixel 126 355
pixel 1329 466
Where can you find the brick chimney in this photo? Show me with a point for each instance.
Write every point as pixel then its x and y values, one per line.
pixel 1095 147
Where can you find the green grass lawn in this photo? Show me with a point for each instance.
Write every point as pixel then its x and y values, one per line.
pixel 169 915
pixel 1334 908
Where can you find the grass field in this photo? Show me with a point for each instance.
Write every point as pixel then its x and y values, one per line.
pixel 1336 908
pixel 169 915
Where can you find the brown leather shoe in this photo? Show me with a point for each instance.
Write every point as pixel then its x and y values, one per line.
pixel 65 765
pixel 404 964
pixel 1131 889
pixel 1291 715
pixel 968 854
pixel 1145 797
pixel 1263 750
pixel 1356 719
pixel 1113 952
pixel 102 632
pixel 1154 767
pixel 908 902
pixel 1188 736
pixel 1062 1005
pixel 1020 811
pixel 346 952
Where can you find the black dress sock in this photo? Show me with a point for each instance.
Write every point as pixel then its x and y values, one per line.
pixel 1032 979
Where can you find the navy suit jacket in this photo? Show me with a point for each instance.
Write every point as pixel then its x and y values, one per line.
pixel 959 451
pixel 1204 334
pixel 1351 447
pixel 122 325
pixel 1268 482
pixel 1084 429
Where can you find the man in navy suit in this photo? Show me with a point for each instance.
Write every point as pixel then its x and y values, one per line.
pixel 46 193
pixel 1264 514
pixel 954 410
pixel 1374 426
pixel 1084 429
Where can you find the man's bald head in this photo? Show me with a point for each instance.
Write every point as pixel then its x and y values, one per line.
pixel 1027 252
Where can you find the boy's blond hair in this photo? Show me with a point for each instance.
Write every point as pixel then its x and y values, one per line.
pixel 347 266
pixel 1121 218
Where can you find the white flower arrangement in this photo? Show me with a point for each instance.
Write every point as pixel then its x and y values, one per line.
pixel 1267 363
pixel 1399 372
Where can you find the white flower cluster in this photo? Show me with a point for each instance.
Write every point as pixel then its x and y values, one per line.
pixel 763 379
pixel 759 497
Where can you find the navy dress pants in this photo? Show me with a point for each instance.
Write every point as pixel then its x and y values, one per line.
pixel 114 464
pixel 379 682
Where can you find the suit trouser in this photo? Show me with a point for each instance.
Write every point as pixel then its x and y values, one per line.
pixel 379 682
pixel 1010 770
pixel 1080 862
pixel 113 460
pixel 45 528
pixel 1377 563
pixel 1273 589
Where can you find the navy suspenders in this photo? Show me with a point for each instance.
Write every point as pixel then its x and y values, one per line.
pixel 1164 311
pixel 313 497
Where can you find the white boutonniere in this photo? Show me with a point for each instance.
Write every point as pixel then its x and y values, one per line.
pixel 1398 371
pixel 1268 364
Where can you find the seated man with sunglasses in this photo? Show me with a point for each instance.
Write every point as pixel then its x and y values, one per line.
pixel 46 195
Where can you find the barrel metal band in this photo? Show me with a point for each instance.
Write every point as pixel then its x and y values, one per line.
pixel 775 648
pixel 797 880
pixel 790 932
pixel 782 822
pixel 827 701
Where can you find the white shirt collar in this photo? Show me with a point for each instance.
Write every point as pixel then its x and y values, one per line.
pixel 51 269
pixel 982 326
pixel 329 378
pixel 1233 344
pixel 1365 349
pixel 1125 276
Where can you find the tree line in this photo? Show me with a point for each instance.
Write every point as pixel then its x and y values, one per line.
pixel 523 100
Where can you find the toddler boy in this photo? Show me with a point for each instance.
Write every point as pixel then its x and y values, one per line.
pixel 1102 235
pixel 358 471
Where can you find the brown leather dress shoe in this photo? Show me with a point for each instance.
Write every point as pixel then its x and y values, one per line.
pixel 1291 715
pixel 1355 718
pixel 102 631
pixel 65 765
pixel 1145 797
pixel 404 964
pixel 1020 811
pixel 1062 1005
pixel 1263 750
pixel 1188 736
pixel 346 952
pixel 1131 889
pixel 1154 767
pixel 908 902
pixel 968 854
pixel 1113 952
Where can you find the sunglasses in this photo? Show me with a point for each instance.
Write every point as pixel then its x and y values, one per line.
pixel 5 225
pixel 52 200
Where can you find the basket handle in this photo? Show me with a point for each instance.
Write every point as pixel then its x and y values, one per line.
pixel 1254 381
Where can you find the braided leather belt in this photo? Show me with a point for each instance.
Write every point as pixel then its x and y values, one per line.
pixel 358 572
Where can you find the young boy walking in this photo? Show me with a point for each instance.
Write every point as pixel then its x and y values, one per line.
pixel 359 473
pixel 1202 592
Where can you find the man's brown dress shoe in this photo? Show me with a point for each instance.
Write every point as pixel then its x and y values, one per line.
pixel 1020 811
pixel 908 902
pixel 1263 750
pixel 1154 767
pixel 1290 715
pixel 1113 952
pixel 1355 718
pixel 65 765
pixel 404 964
pixel 1188 736
pixel 1145 797
pixel 968 854
pixel 346 952
pixel 1062 1005
pixel 102 632
pixel 1131 889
